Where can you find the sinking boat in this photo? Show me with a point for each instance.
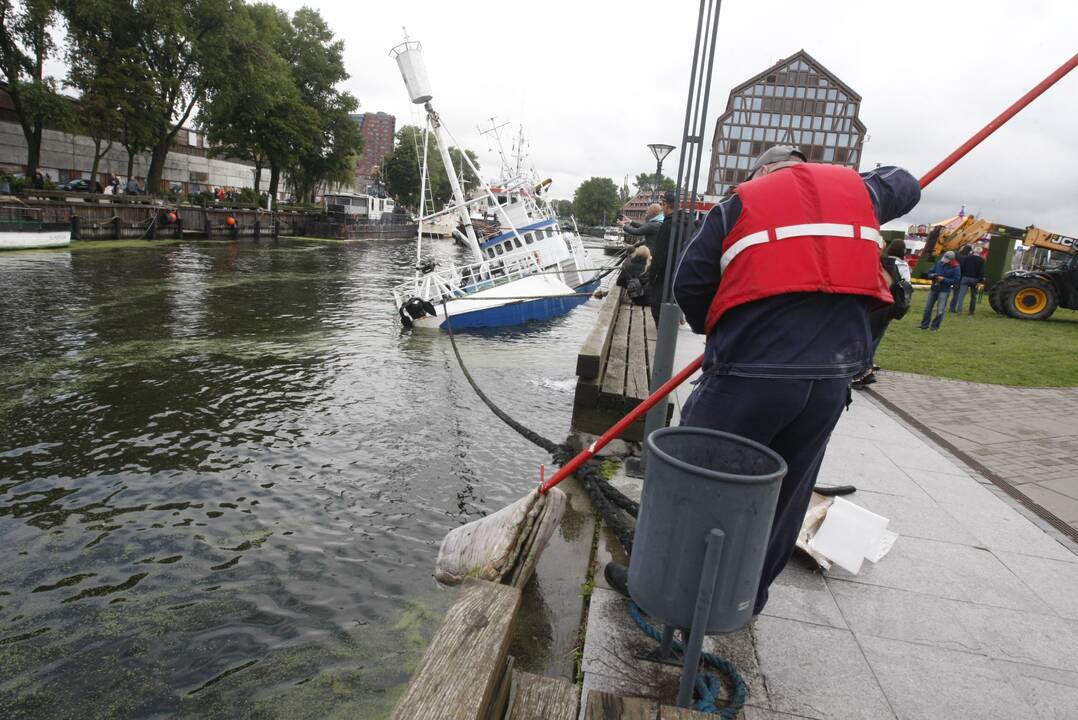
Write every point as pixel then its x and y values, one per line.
pixel 22 228
pixel 524 266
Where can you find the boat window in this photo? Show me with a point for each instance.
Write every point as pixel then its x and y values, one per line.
pixel 499 249
pixel 529 238
pixel 508 245
pixel 516 242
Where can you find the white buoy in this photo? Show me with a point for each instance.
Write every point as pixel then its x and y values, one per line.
pixel 409 57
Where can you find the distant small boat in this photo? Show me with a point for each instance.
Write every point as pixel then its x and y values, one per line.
pixel 22 228
pixel 614 241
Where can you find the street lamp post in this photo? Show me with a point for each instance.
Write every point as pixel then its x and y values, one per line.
pixel 660 152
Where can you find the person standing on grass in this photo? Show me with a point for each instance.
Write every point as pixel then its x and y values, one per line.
pixel 972 267
pixel 945 275
pixel 898 270
pixel 781 278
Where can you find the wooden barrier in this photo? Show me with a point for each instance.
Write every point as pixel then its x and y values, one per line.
pixel 614 367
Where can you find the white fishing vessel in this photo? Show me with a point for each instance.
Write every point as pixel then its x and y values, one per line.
pixel 22 228
pixel 524 268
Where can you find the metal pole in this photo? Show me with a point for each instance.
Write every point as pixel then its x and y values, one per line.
pixel 688 175
pixel 1000 120
pixel 709 575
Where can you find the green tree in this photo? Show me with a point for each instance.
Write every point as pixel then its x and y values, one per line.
pixel 257 113
pixel 563 208
pixel 26 42
pixel 317 62
pixel 179 49
pixel 645 182
pixel 112 85
pixel 596 201
pixel 400 169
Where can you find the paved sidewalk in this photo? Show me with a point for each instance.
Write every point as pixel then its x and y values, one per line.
pixel 1027 437
pixel 973 614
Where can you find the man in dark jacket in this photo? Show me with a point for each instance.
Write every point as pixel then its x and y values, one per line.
pixel 945 275
pixel 660 252
pixel 782 276
pixel 971 265
pixel 647 230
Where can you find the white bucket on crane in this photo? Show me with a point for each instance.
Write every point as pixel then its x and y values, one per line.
pixel 409 59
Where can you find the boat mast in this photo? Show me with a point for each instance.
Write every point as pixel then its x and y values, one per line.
pixel 454 183
pixel 409 57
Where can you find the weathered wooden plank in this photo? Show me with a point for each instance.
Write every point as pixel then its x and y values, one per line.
pixel 652 334
pixel 543 698
pixel 590 359
pixel 500 701
pixel 669 712
pixel 614 374
pixel 459 674
pixel 606 706
pixel 636 383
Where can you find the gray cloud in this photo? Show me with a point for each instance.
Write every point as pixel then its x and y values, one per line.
pixel 594 82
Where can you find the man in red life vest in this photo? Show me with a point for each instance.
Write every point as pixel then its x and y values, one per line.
pixel 781 278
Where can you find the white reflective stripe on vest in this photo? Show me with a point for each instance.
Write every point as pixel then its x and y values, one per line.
pixel 806 230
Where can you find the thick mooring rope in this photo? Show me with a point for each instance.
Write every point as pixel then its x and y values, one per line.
pixel 708 685
pixel 613 505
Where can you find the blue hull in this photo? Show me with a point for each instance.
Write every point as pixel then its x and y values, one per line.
pixel 518 313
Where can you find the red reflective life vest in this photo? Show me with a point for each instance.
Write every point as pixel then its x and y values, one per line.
pixel 806 228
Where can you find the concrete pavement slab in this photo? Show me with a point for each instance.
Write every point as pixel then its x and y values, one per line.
pixel 915 517
pixel 1000 527
pixel 1032 638
pixel 817 671
pixel 929 683
pixel 800 593
pixel 947 570
pixel 901 615
pixel 1053 694
pixel 1054 581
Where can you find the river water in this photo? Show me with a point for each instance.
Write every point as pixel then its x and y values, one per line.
pixel 225 471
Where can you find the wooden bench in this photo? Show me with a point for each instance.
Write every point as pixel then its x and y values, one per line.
pixel 613 367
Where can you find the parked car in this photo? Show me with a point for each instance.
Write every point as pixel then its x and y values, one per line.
pixel 77 185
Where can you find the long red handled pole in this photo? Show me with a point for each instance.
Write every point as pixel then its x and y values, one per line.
pixel 586 454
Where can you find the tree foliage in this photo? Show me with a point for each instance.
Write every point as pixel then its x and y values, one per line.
pixel 596 201
pixel 563 208
pixel 645 182
pixel 400 170
pixel 26 42
pixel 317 62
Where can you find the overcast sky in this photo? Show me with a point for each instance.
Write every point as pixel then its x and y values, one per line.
pixel 594 82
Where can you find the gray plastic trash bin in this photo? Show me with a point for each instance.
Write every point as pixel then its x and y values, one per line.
pixel 698 480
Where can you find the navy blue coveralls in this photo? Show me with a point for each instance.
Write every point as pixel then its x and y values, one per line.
pixel 778 370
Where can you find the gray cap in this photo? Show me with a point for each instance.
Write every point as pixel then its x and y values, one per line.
pixel 948 256
pixel 775 154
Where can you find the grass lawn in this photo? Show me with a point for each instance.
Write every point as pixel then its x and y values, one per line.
pixel 986 347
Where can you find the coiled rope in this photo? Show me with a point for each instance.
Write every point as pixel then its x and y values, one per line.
pixel 614 505
pixel 708 685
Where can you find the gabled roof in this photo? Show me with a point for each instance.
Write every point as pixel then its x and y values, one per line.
pixel 804 57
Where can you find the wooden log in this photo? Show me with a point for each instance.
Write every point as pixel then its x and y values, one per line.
pixel 592 355
pixel 459 674
pixel 607 706
pixel 543 698
pixel 652 334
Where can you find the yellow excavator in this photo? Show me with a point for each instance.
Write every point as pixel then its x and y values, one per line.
pixel 1032 292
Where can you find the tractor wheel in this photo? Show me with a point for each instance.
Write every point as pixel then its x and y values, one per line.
pixel 995 296
pixel 1029 298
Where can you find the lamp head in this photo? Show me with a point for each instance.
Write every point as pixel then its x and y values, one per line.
pixel 660 151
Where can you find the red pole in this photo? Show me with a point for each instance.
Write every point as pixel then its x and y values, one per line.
pixel 660 394
pixel 999 121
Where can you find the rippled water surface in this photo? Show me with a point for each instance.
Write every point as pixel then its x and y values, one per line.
pixel 225 470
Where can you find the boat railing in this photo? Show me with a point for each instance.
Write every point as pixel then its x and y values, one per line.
pixel 20 215
pixel 461 281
